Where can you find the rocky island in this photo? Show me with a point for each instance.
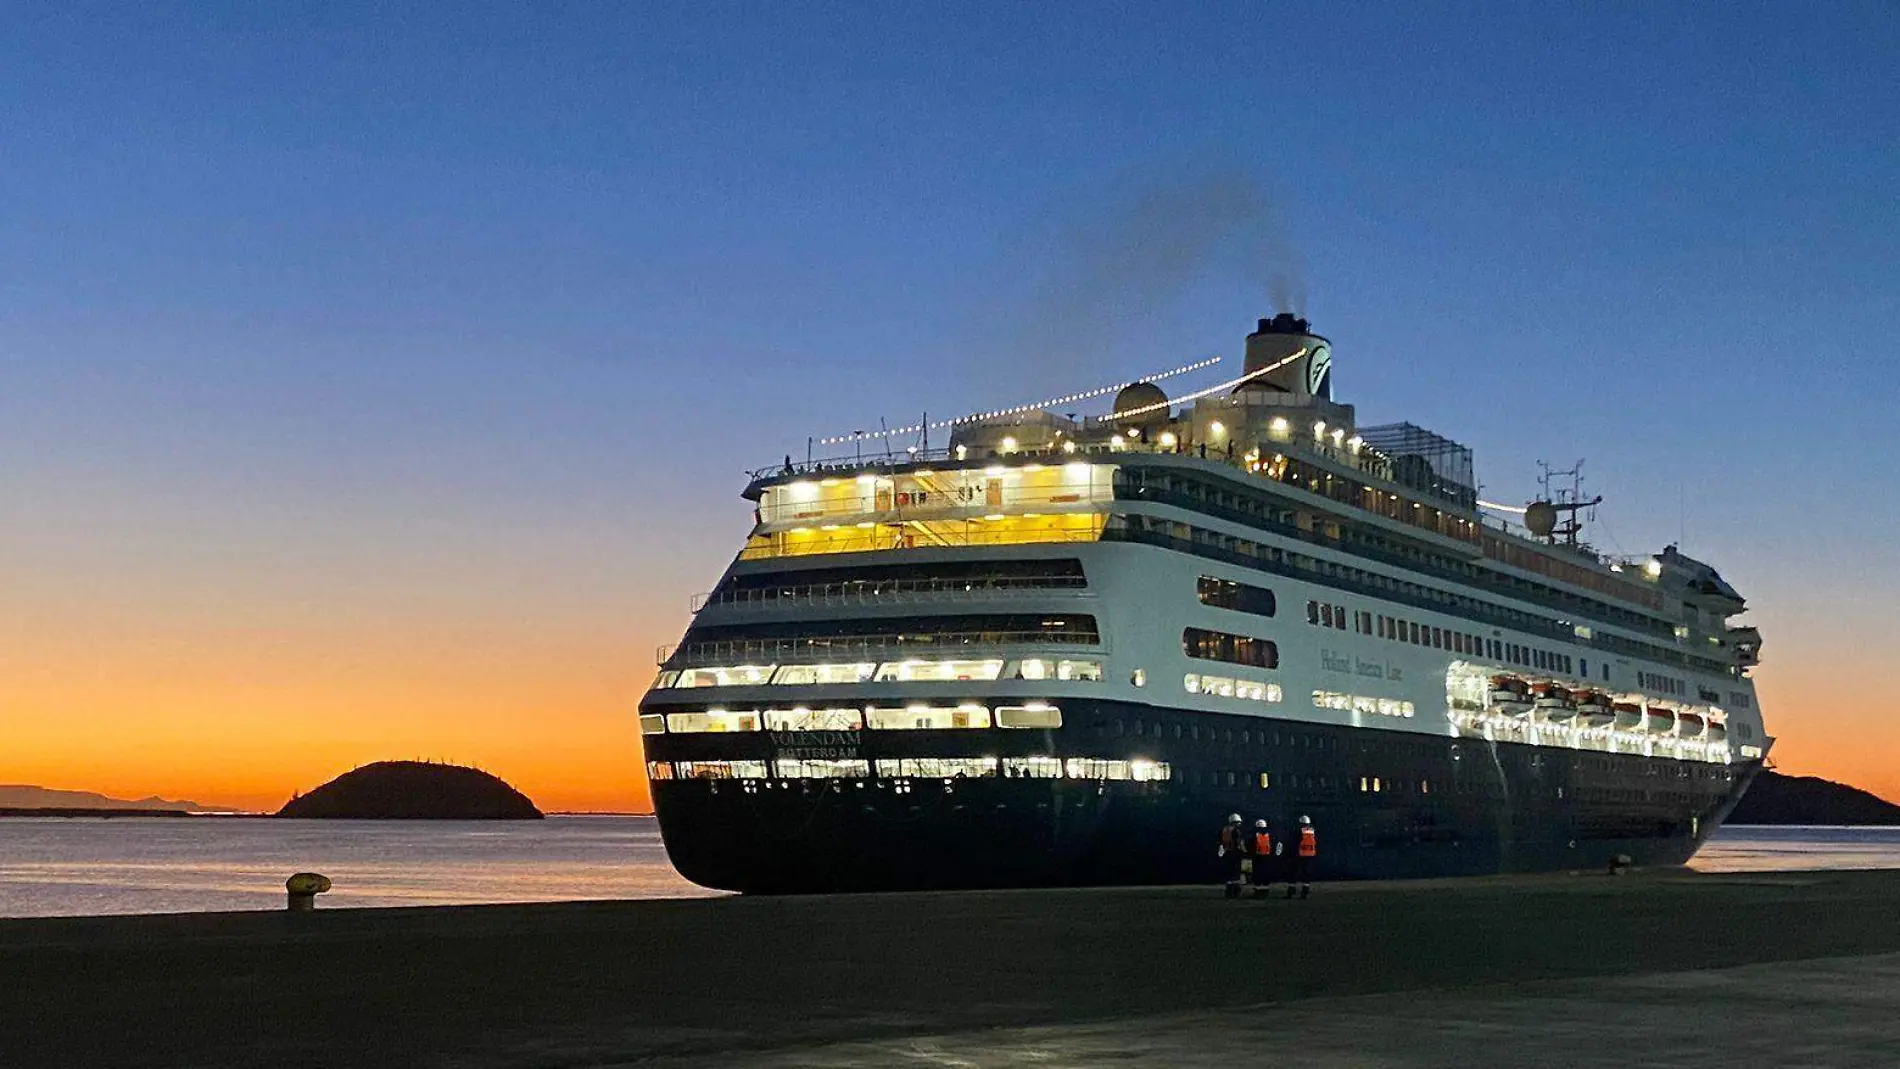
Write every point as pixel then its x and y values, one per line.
pixel 413 790
pixel 1778 799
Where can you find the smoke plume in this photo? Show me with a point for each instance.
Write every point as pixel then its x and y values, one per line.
pixel 1115 260
pixel 1152 241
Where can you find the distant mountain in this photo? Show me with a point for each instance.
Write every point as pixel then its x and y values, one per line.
pixel 22 796
pixel 413 790
pixel 1778 799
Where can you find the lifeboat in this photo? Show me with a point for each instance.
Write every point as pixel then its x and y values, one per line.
pixel 1718 731
pixel 1690 725
pixel 1509 695
pixel 1593 708
pixel 1659 721
pixel 1629 715
pixel 1553 701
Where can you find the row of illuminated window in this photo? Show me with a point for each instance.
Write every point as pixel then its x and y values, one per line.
pixel 1659 682
pixel 898 581
pixel 916 717
pixel 1223 499
pixel 1207 645
pixel 1083 768
pixel 908 671
pixel 1395 629
pixel 1227 687
pixel 1359 703
pixel 1252 554
pixel 1378 785
pixel 1227 594
pixel 997 529
pixel 996 486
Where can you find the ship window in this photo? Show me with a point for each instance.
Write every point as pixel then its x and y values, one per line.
pixel 712 720
pixel 927 718
pixel 789 768
pixel 1028 716
pixel 804 674
pixel 1087 671
pixel 720 769
pixel 1139 678
pixel 1266 780
pixel 937 671
pixel 1413 627
pixel 1234 649
pixel 1102 769
pixel 1224 594
pixel 665 679
pixel 659 770
pixel 1033 767
pixel 1339 617
pixel 813 719
pixel 1082 671
pixel 744 675
pixel 1312 612
pixel 937 767
pixel 652 724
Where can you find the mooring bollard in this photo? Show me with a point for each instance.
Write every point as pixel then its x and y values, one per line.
pixel 304 888
pixel 1620 865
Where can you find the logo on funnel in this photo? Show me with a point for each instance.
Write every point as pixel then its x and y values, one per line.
pixel 1318 366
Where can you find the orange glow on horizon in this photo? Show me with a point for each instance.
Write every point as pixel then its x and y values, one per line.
pixel 243 717
pixel 246 719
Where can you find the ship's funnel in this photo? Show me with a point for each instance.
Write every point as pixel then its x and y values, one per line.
pixel 1280 337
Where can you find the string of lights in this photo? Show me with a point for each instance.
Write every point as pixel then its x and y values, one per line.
pixel 1054 402
pixel 1228 385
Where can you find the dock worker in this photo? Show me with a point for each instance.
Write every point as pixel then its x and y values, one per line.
pixel 1303 855
pixel 1233 851
pixel 1265 857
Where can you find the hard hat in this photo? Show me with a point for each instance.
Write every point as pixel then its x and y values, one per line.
pixel 1233 818
pixel 1306 820
pixel 1259 823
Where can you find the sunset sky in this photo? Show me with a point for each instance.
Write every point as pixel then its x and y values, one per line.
pixel 378 380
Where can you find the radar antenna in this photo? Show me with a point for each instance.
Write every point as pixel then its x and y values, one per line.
pixel 1553 516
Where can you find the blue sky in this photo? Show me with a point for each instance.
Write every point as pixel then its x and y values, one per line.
pixel 492 305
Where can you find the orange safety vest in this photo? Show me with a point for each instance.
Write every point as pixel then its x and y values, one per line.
pixel 1309 842
pixel 1263 843
pixel 1230 837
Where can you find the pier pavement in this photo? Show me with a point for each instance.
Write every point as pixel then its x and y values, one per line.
pixel 1661 969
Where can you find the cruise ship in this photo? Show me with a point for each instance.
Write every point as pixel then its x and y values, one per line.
pixel 1061 650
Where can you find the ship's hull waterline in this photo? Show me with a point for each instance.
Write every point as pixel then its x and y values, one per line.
pixel 1413 806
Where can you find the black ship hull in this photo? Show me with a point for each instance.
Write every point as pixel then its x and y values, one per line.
pixel 1386 804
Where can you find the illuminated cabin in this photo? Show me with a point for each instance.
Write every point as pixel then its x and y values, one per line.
pixel 1061 650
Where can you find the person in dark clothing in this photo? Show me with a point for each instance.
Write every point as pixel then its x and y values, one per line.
pixel 1233 851
pixel 1303 854
pixel 1266 854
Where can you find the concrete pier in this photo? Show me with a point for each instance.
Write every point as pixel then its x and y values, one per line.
pixel 1658 969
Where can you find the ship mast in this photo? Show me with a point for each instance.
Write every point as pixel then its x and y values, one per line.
pixel 1553 516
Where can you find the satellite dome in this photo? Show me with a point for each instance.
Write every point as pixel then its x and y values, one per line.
pixel 1144 398
pixel 1541 518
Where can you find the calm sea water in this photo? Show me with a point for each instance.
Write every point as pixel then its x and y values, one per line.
pixel 56 867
